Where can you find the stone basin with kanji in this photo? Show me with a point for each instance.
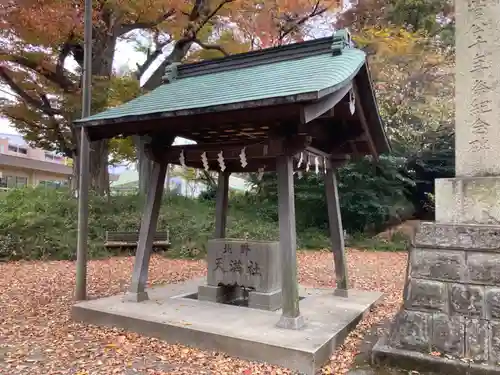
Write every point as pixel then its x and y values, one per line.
pixel 236 263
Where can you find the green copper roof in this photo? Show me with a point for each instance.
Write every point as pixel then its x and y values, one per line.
pixel 304 71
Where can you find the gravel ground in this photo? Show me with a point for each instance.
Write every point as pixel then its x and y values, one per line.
pixel 38 337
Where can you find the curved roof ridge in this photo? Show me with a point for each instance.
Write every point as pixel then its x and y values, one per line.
pixel 303 78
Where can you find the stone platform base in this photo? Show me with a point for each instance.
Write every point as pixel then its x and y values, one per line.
pixel 385 355
pixel 173 315
pixel 256 300
pixel 451 300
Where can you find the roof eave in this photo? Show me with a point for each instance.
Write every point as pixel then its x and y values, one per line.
pixel 267 102
pixel 370 102
pixel 340 85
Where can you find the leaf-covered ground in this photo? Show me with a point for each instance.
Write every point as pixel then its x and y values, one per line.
pixel 37 335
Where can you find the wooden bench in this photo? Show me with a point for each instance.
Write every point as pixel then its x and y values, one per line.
pixel 130 239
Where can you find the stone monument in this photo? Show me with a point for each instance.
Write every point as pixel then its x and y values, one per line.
pixel 472 197
pixel 235 264
pixel 452 293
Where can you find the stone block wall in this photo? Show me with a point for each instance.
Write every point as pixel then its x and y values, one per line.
pixel 452 293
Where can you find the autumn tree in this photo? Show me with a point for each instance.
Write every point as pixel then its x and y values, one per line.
pixel 411 56
pixel 240 28
pixel 38 36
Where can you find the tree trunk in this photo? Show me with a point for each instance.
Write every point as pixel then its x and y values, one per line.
pixel 180 50
pixel 99 176
pixel 144 165
pixel 167 179
pixel 103 51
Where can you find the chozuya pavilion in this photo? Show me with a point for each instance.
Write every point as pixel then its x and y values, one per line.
pixel 300 108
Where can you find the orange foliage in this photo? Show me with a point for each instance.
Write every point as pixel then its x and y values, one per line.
pixel 274 22
pixel 36 36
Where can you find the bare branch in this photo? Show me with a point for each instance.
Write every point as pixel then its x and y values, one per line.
pixel 43 105
pixel 294 24
pixel 180 50
pixel 125 28
pixel 41 131
pixel 182 45
pixel 46 103
pixel 56 128
pixel 151 57
pixel 7 93
pixel 63 54
pixel 211 47
pixel 210 15
pixel 27 98
pixel 32 124
pixel 66 84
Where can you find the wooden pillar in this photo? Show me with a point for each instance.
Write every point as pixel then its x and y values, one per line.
pixel 290 317
pixel 336 232
pixel 83 218
pixel 137 291
pixel 221 204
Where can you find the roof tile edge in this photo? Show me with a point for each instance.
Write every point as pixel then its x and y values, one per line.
pixel 171 72
pixel 341 39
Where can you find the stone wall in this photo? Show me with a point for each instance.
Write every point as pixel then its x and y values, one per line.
pixel 452 293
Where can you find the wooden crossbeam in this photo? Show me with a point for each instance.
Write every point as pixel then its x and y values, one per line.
pixel 317 152
pixel 269 163
pixel 314 110
pixel 364 123
pixel 231 151
pixel 155 147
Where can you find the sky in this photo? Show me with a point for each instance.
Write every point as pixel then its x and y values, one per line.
pixel 5 127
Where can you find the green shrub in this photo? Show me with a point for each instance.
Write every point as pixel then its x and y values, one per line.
pixel 372 195
pixel 42 223
pixel 436 159
pixel 397 242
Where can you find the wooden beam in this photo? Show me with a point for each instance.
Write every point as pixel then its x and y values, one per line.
pixel 317 152
pixel 291 145
pixel 329 135
pixel 234 166
pixel 356 136
pixel 221 204
pixel 231 151
pixel 290 317
pixel 269 163
pixel 314 110
pixel 320 128
pixel 328 114
pixel 184 125
pixel 137 291
pixel 311 153
pixel 336 232
pixel 156 145
pixel 364 123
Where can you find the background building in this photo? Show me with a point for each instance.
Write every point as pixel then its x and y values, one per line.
pixel 178 182
pixel 22 165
